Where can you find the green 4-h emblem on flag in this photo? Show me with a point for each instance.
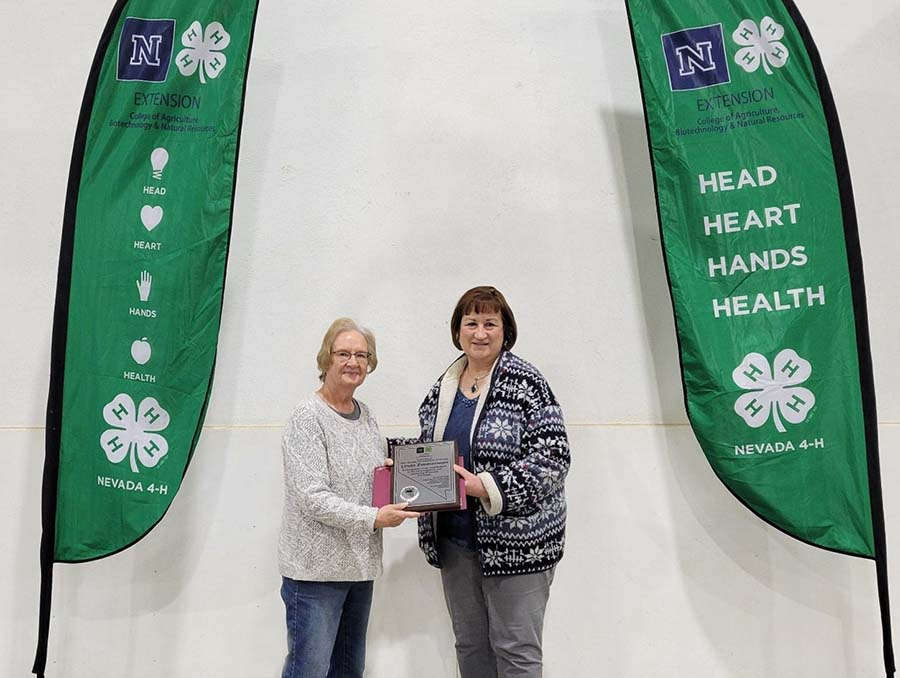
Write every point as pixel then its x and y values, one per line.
pixel 760 45
pixel 135 431
pixel 203 50
pixel 773 393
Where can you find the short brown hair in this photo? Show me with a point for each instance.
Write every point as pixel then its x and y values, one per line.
pixel 484 299
pixel 324 358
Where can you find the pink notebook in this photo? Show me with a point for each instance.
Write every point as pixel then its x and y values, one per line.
pixel 381 487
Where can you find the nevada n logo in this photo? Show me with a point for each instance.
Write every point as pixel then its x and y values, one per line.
pixel 145 49
pixel 695 57
pixel 146 46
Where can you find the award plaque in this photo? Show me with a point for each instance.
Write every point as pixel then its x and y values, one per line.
pixel 423 475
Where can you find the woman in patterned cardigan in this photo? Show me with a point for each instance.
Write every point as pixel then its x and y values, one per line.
pixel 497 558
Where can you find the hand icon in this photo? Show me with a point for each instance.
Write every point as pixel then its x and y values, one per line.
pixel 144 285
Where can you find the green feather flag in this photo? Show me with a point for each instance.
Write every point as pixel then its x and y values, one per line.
pixel 761 248
pixel 142 271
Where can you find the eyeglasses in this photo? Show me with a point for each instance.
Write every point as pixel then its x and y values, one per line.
pixel 344 356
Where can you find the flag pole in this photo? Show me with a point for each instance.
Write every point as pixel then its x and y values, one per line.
pixel 858 291
pixel 58 349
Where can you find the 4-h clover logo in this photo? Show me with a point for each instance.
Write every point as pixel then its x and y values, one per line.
pixel 135 433
pixel 760 45
pixel 203 50
pixel 777 395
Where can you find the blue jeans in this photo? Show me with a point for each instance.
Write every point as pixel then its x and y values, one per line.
pixel 326 628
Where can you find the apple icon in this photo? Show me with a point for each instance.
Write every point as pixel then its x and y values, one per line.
pixel 140 351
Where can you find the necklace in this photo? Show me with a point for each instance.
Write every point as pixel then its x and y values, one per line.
pixel 475 386
pixel 465 401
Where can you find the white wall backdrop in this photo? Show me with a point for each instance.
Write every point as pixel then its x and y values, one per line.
pixel 395 154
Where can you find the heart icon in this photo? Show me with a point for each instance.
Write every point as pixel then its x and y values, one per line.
pixel 151 216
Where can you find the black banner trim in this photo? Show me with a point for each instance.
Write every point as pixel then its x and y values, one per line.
pixel 861 317
pixel 58 346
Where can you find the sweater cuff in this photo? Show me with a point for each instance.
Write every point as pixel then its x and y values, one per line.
pixel 371 513
pixel 493 504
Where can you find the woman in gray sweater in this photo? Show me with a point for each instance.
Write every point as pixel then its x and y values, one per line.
pixel 330 544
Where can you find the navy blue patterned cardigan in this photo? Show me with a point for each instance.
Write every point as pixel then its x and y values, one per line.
pixel 521 453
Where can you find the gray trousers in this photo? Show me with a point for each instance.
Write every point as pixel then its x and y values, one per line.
pixel 498 621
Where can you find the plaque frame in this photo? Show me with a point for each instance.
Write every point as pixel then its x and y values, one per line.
pixel 426 498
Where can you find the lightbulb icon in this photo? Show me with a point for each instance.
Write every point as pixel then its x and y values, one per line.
pixel 158 159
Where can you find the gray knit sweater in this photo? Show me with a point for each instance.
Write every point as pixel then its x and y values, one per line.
pixel 327 529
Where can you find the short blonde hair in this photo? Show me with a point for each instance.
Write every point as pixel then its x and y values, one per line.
pixel 324 359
